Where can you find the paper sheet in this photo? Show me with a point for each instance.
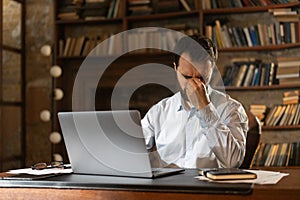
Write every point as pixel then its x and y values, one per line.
pixel 42 172
pixel 263 177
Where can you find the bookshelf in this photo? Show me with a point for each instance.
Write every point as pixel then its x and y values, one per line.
pixel 191 21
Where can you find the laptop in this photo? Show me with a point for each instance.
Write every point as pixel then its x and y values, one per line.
pixel 108 143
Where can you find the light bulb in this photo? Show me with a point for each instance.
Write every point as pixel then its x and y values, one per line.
pixel 57 157
pixel 45 115
pixel 46 50
pixel 55 137
pixel 55 71
pixel 58 94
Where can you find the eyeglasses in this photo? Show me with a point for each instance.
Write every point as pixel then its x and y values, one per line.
pixel 43 165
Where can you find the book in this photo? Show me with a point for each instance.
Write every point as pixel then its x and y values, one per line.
pixel 185 5
pixel 278 115
pixel 270 115
pixel 297 115
pixel 258 111
pixel 285 115
pixel 78 45
pixel 291 93
pixel 259 154
pixel 291 100
pixel 218 34
pixel 282 155
pixel 249 75
pixel 240 75
pixel 292 114
pixel 226 174
pixel 67 46
pixel 248 38
pixel 291 63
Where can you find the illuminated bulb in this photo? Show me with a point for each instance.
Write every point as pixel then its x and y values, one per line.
pixel 55 137
pixel 57 157
pixel 46 50
pixel 45 115
pixel 55 71
pixel 58 94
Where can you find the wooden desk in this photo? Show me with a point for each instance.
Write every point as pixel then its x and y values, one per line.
pixel 288 189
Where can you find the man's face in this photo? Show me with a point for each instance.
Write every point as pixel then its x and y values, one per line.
pixel 186 70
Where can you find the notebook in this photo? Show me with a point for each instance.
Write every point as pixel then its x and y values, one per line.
pixel 108 143
pixel 226 173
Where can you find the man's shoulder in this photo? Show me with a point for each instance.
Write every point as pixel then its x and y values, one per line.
pixel 219 97
pixel 173 98
pixel 169 102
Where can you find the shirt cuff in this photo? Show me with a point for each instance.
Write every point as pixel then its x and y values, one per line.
pixel 208 116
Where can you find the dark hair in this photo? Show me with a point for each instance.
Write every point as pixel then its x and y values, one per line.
pixel 190 44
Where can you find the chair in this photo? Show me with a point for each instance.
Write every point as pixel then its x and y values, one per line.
pixel 252 140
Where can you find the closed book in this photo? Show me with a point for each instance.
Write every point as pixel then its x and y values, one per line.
pixel 291 93
pixel 291 63
pixel 257 75
pixel 242 36
pixel 261 107
pixel 236 37
pixel 248 38
pixel 225 37
pixel 283 155
pixel 253 36
pixel 232 37
pixel 292 114
pixel 240 75
pixel 272 73
pixel 259 154
pixel 249 75
pixel 270 115
pixel 218 34
pixel 279 115
pixel 261 34
pixel 288 70
pixel 297 114
pixel 185 5
pixel 285 115
pixel 228 174
pixel 287 32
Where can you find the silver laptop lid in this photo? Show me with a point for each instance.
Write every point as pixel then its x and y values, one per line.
pixel 106 143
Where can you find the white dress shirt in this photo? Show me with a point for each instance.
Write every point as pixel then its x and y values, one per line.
pixel 214 136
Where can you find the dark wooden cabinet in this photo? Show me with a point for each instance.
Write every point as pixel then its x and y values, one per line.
pixel 12 84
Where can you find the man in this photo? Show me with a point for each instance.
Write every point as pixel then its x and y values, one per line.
pixel 198 126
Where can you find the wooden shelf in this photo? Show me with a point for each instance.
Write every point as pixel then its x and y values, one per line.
pixel 7 103
pixel 131 54
pixel 86 22
pixel 248 9
pixel 160 16
pixel 261 48
pixel 266 87
pixel 292 127
pixel 10 48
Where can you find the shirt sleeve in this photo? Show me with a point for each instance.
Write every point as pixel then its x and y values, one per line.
pixel 148 127
pixel 226 132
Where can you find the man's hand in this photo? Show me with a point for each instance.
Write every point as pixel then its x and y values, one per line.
pixel 196 93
